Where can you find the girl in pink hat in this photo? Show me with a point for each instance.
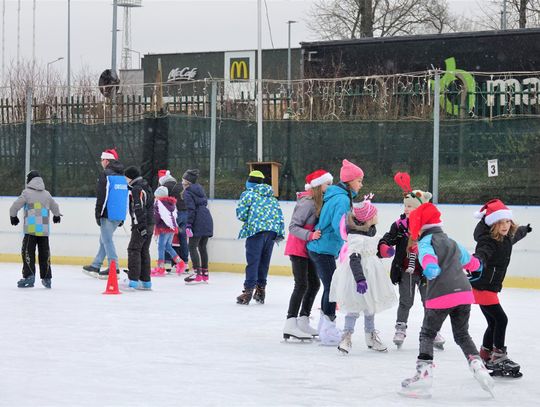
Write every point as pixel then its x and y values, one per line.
pixel 301 231
pixel 495 235
pixel 360 282
pixel 323 251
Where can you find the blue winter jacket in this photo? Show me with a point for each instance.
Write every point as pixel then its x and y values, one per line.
pixel 199 217
pixel 336 204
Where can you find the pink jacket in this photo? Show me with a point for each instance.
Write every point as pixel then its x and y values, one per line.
pixel 303 222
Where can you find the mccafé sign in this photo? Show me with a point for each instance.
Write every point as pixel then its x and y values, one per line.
pixel 239 69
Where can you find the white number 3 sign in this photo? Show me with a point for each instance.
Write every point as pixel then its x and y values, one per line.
pixel 493 168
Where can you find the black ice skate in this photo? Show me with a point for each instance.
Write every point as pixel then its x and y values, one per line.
pixel 260 294
pixel 245 297
pixel 26 282
pixel 502 366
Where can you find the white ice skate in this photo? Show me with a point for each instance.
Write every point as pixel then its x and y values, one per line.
pixel 303 325
pixel 329 333
pixel 419 386
pixel 291 330
pixel 345 345
pixel 374 342
pixel 481 374
pixel 401 333
pixel 439 341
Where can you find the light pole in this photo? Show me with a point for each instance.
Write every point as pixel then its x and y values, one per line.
pixel 259 84
pixel 138 54
pixel 47 75
pixel 114 33
pixel 289 61
pixel 69 51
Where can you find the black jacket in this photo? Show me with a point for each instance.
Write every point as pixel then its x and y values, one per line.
pixel 141 204
pixel 175 190
pixel 199 217
pixel 398 236
pixel 114 168
pixel 495 256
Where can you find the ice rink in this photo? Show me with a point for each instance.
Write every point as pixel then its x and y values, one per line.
pixel 193 346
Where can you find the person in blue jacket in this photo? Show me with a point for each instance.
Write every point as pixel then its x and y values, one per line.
pixel 323 252
pixel 111 210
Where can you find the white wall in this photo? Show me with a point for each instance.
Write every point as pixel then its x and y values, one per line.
pixel 78 233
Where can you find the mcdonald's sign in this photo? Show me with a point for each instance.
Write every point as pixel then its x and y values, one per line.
pixel 239 69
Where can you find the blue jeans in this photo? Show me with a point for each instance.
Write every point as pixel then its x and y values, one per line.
pixel 325 265
pixel 258 253
pixel 350 322
pixel 164 244
pixel 106 243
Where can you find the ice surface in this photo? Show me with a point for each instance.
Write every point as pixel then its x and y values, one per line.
pixel 194 346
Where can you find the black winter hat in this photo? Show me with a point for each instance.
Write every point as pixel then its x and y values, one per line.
pixel 31 175
pixel 191 176
pixel 132 172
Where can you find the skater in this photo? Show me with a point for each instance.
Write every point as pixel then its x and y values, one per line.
pixel 448 293
pixel 37 203
pixel 199 226
pixel 495 235
pixel 141 211
pixel 263 226
pixel 360 282
pixel 180 243
pixel 166 227
pixel 405 271
pixel 301 230
pixel 111 210
pixel 323 252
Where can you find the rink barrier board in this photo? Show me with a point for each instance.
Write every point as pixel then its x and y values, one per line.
pixel 509 281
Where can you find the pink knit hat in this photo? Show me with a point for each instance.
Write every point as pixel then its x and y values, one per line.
pixel 365 210
pixel 349 171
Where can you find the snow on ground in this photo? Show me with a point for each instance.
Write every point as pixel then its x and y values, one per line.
pixel 193 346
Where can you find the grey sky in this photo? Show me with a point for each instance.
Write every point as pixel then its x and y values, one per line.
pixel 159 26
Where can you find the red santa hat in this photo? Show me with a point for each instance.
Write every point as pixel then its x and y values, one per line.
pixel 165 176
pixel 494 211
pixel 109 154
pixel 318 178
pixel 424 217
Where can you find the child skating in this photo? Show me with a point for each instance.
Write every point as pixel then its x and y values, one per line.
pixel 448 294
pixel 37 203
pixel 495 235
pixel 360 283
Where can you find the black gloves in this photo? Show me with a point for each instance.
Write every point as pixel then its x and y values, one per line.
pixel 56 219
pixel 98 221
pixel 14 220
pixel 121 223
pixel 529 228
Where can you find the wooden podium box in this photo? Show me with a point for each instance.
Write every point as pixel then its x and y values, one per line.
pixel 270 169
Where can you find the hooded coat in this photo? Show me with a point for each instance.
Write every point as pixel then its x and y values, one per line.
pixel 199 217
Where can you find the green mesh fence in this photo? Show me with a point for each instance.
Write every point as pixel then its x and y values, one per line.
pixel 67 155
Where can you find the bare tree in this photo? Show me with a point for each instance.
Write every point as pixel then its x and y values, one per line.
pixel 519 14
pixel 349 19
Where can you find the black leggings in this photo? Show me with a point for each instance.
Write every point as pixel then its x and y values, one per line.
pixel 306 286
pixel 496 330
pixel 28 253
pixel 198 253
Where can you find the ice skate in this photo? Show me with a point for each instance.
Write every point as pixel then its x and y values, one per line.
pixel 291 330
pixel 91 271
pixel 195 278
pixel 481 374
pixel 204 274
pixel 373 341
pixel 439 341
pixel 260 294
pixel 303 324
pixel 419 386
pixel 401 333
pixel 104 274
pixel 46 282
pixel 26 282
pixel 329 334
pixel 180 267
pixel 159 270
pixel 485 354
pixel 345 345
pixel 145 286
pixel 502 366
pixel 245 297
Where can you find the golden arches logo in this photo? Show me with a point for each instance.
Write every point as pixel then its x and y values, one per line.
pixel 239 69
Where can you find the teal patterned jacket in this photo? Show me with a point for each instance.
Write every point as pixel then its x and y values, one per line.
pixel 260 212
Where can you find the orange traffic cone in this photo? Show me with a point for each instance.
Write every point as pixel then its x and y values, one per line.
pixel 112 281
